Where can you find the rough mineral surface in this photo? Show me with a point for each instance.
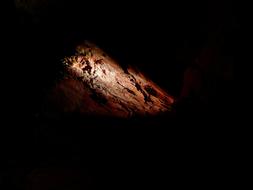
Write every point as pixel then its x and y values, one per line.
pixel 95 84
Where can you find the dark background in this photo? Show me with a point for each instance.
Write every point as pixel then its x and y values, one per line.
pixel 188 148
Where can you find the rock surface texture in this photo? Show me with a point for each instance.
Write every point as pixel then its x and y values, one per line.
pixel 95 84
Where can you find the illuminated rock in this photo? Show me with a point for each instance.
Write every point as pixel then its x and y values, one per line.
pixel 96 84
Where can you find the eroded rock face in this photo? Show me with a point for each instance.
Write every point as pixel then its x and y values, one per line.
pixel 95 84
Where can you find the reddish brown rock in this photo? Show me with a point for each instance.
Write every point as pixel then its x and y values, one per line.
pixel 95 84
